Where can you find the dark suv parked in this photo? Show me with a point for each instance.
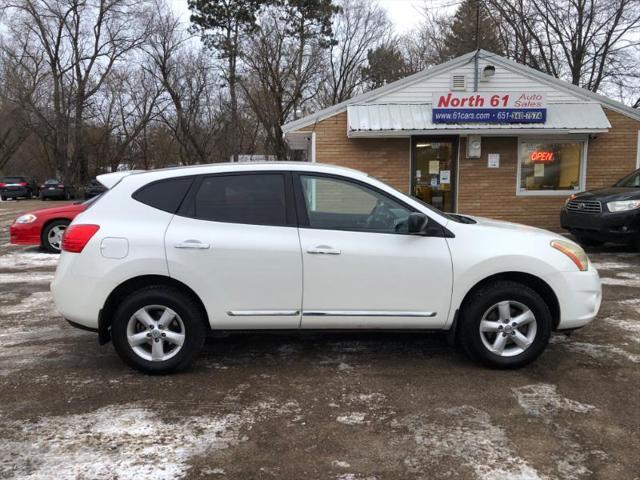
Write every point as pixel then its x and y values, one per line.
pixel 18 187
pixel 93 189
pixel 605 215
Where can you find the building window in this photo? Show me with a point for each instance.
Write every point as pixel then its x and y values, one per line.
pixel 550 167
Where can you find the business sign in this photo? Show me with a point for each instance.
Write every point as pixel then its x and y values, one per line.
pixel 474 107
pixel 541 156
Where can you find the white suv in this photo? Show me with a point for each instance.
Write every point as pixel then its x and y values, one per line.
pixel 167 256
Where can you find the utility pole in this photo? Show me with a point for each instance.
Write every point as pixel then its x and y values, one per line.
pixel 475 58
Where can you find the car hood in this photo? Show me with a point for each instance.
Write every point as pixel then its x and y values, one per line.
pixel 73 208
pixel 490 222
pixel 610 194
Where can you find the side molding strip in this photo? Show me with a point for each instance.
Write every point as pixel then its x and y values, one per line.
pixel 263 313
pixel 365 313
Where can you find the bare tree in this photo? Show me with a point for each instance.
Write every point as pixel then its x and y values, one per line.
pixel 187 74
pixel 588 42
pixel 72 46
pixel 280 81
pixel 358 27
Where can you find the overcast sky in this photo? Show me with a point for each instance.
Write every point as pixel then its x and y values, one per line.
pixel 405 14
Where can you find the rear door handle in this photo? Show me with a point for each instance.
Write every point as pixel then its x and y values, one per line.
pixel 192 245
pixel 324 250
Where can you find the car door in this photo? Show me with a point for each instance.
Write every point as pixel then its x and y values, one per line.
pixel 361 267
pixel 235 242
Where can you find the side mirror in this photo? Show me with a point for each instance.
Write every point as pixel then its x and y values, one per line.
pixel 418 223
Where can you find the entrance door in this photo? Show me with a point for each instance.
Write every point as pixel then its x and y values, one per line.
pixel 433 171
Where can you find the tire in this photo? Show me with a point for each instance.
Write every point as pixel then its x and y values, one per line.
pixel 485 304
pixel 67 196
pixel 154 300
pixel 3 198
pixel 51 236
pixel 636 242
pixel 588 242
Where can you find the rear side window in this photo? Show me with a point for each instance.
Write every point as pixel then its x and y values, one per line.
pixel 164 195
pixel 257 199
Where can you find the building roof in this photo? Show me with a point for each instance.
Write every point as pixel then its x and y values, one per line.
pixel 498 60
pixel 405 119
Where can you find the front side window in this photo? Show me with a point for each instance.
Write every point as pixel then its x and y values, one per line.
pixel 550 166
pixel 257 199
pixel 336 204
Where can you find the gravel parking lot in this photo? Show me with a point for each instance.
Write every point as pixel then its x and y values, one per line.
pixel 347 407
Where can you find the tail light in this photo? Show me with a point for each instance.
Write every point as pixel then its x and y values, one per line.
pixel 2 184
pixel 77 236
pixel 22 184
pixel 60 186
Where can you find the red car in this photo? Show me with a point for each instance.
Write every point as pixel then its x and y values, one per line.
pixel 45 227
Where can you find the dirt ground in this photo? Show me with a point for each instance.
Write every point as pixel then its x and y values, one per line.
pixel 345 407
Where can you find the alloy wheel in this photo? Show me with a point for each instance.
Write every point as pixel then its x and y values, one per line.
pixel 54 237
pixel 508 328
pixel 155 333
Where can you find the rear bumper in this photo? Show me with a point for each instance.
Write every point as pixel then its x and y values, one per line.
pixel 618 227
pixel 15 192
pixel 579 295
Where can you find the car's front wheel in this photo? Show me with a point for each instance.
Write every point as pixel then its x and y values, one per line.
pixel 505 324
pixel 51 238
pixel 158 329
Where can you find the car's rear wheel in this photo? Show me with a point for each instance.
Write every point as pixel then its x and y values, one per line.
pixel 51 238
pixel 505 324
pixel 158 330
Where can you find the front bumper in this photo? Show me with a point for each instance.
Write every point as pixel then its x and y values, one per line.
pixel 57 193
pixel 25 233
pixel 579 295
pixel 618 227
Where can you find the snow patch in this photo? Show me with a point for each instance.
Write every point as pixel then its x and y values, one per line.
pixel 124 442
pixel 340 464
pixel 22 260
pixel 26 277
pixel 543 399
pixel 594 350
pixel 467 434
pixel 610 265
pixel 354 418
pixel 626 279
pixel 37 302
pixel 630 326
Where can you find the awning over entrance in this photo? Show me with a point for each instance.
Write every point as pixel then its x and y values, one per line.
pixel 401 120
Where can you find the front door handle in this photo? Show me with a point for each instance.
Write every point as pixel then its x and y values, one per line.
pixel 324 250
pixel 192 245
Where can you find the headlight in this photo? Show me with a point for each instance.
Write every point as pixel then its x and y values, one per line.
pixel 623 206
pixel 28 218
pixel 574 252
pixel 569 199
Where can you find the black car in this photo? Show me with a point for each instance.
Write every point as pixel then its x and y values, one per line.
pixel 57 189
pixel 93 189
pixel 18 187
pixel 605 215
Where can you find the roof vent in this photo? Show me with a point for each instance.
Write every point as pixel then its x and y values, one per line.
pixel 458 82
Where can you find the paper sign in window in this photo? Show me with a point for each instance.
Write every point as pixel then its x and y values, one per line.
pixel 538 169
pixel 445 176
pixel 434 167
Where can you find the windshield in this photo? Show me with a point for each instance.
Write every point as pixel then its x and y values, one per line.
pixel 51 182
pixel 630 181
pixel 12 180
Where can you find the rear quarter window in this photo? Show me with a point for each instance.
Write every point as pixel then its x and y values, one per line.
pixel 166 195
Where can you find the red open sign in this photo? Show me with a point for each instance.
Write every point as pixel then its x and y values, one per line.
pixel 541 157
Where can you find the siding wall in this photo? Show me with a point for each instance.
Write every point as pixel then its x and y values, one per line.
pixel 503 81
pixel 481 190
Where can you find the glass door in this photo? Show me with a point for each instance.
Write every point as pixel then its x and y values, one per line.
pixel 433 171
